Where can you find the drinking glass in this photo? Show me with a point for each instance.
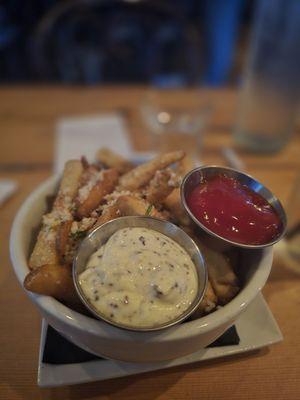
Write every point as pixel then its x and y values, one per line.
pixel 176 119
pixel 270 97
pixel 293 215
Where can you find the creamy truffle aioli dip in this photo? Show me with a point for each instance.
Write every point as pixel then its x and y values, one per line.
pixel 140 278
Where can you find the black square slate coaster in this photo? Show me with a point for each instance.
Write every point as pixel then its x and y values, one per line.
pixel 58 350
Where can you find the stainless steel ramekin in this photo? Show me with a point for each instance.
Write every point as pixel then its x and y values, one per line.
pixel 201 174
pixel 100 235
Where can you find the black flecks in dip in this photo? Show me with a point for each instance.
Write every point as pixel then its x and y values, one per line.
pixel 146 278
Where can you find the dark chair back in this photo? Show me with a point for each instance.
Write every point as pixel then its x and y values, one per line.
pixel 106 41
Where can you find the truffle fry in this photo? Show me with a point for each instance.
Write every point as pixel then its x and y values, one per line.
pixel 113 160
pixel 221 275
pixel 45 251
pixel 127 205
pixel 69 184
pixel 52 280
pixel 95 195
pixel 208 303
pixel 159 187
pixel 130 205
pixel 111 212
pixel 62 239
pixel 185 165
pixel 173 204
pixel 45 248
pixel 173 201
pixel 73 237
pixel 141 175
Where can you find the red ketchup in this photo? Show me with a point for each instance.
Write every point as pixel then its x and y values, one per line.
pixel 234 211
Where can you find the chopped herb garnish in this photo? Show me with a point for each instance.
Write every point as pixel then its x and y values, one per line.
pixel 149 209
pixel 78 235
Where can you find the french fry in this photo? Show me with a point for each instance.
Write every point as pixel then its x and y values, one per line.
pixel 71 238
pixel 130 205
pixel 110 213
pixel 69 184
pixel 208 303
pixel 173 204
pixel 45 250
pixel 173 201
pixel 87 174
pixel 185 165
pixel 84 162
pixel 127 205
pixel 113 160
pixel 159 188
pixel 141 175
pixel 52 280
pixel 62 239
pixel 103 187
pixel 221 274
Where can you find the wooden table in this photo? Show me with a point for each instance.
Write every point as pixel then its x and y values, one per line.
pixel 27 122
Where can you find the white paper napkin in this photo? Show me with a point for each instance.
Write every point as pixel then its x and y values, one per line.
pixel 80 136
pixel 7 189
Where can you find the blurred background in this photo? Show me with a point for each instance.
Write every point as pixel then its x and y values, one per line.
pixel 166 42
pixel 163 45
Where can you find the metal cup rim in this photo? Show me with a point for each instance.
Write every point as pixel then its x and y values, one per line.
pixel 138 219
pixel 220 169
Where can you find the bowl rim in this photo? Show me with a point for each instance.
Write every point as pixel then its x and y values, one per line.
pixel 83 323
pixel 141 222
pixel 217 236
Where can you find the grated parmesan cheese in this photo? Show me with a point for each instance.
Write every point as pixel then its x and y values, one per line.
pixel 111 198
pixel 49 234
pixel 84 191
pixel 56 217
pixel 83 225
pixel 174 180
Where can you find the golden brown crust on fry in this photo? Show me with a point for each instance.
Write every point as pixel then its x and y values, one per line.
pixel 127 205
pixel 141 175
pixel 62 239
pixel 173 204
pixel 52 280
pixel 45 250
pixel 113 160
pixel 221 274
pixel 69 184
pixel 159 188
pixel 110 213
pixel 97 193
pixel 185 165
pixel 130 205
pixel 89 170
pixel 77 232
pixel 208 303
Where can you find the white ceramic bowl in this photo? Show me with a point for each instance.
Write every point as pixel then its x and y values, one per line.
pixel 105 340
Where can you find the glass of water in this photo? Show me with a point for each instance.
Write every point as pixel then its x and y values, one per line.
pixel 270 96
pixel 176 119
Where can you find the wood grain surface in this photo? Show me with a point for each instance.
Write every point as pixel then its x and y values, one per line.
pixel 27 122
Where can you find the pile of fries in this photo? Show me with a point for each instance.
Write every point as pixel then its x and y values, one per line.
pixel 91 194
